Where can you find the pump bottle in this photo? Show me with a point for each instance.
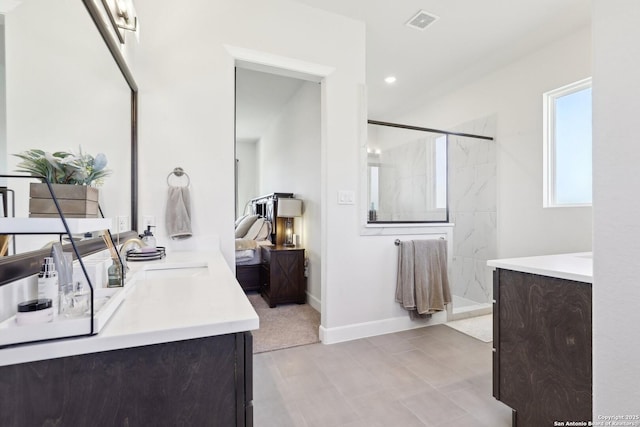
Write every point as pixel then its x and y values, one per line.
pixel 148 238
pixel 48 284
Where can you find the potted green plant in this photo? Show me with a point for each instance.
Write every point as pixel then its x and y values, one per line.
pixel 73 177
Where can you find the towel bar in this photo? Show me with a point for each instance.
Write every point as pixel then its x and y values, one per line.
pixel 398 241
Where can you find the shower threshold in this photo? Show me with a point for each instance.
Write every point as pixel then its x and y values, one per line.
pixel 463 308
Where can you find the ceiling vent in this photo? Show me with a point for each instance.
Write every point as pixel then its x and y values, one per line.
pixel 422 20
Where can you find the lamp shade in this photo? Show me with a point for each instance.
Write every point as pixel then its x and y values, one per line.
pixel 289 208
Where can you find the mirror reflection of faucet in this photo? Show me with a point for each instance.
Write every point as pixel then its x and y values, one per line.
pixel 125 250
pixel 117 272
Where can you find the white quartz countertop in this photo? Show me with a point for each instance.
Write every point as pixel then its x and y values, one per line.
pixel 160 305
pixel 573 266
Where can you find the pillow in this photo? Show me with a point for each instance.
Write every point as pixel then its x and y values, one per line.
pixel 254 230
pixel 260 230
pixel 245 224
pixel 265 231
pixel 239 220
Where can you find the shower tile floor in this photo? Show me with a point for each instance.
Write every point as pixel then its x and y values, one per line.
pixel 432 376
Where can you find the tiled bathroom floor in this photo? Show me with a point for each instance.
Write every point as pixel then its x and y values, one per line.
pixel 433 376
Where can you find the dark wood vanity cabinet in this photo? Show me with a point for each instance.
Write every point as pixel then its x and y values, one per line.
pixel 542 348
pixel 198 382
pixel 282 275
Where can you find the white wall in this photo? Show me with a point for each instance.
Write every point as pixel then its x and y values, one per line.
pixel 616 249
pixel 290 163
pixel 186 117
pixel 186 78
pixel 514 94
pixel 246 154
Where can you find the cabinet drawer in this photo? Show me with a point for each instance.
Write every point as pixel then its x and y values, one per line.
pixel 496 374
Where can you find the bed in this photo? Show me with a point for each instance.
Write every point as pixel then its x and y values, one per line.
pixel 253 231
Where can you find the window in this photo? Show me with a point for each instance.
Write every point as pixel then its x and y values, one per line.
pixel 567 145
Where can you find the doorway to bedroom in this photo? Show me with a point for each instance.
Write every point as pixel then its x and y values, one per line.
pixel 278 198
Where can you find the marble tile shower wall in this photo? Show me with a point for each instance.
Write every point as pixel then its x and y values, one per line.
pixel 398 183
pixel 472 196
pixel 404 193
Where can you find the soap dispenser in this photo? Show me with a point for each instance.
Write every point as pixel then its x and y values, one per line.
pixel 148 238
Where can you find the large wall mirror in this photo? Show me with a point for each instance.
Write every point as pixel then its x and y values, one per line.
pixel 406 174
pixel 65 85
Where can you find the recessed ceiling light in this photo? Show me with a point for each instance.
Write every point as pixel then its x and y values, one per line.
pixel 390 79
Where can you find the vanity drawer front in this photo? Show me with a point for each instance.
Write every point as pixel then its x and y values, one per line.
pixel 496 334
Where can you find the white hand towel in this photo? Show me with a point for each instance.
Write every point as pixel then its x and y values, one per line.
pixel 178 213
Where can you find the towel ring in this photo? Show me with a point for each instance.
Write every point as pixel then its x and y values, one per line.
pixel 179 172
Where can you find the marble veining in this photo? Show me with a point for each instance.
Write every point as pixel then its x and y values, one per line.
pixel 406 183
pixel 473 209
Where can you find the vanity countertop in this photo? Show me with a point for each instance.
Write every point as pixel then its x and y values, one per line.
pixel 572 266
pixel 160 309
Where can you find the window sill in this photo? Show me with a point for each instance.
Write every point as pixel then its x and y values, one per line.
pixel 583 205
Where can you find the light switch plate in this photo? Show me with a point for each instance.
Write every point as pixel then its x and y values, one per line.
pixel 346 197
pixel 123 224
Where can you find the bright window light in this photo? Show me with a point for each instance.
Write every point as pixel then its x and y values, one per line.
pixel 568 172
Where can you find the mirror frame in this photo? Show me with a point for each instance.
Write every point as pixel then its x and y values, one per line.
pixel 19 266
pixel 114 48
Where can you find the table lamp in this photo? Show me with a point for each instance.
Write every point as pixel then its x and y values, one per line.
pixel 289 209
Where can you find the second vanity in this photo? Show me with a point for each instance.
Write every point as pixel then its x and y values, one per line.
pixel 177 351
pixel 542 338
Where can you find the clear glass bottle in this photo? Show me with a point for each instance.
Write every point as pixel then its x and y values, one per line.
pixel 115 274
pixel 79 301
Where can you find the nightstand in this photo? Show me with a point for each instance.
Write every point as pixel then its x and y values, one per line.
pixel 282 275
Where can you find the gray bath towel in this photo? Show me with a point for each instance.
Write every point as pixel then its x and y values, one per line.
pixel 422 287
pixel 178 213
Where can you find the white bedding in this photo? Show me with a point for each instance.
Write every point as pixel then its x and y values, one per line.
pixel 251 256
pixel 252 232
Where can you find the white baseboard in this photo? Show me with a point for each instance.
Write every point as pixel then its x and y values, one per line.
pixel 378 327
pixel 314 302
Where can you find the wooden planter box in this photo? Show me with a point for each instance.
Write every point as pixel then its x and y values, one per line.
pixel 76 201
